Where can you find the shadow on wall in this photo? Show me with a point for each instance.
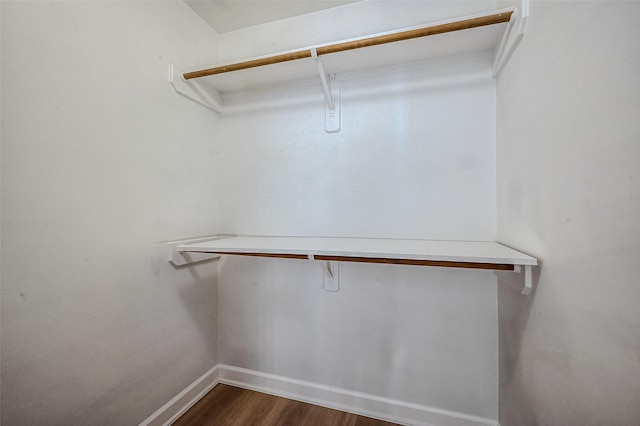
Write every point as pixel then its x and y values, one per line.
pixel 196 285
pixel 383 87
pixel 514 310
pixel 196 296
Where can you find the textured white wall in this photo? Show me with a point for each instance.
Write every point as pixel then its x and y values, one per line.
pixel 415 159
pixel 569 192
pixel 100 159
pixel 422 336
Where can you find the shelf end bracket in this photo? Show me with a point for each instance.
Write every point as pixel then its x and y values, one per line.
pixel 519 271
pixel 209 99
pixel 180 256
pixel 528 281
pixel 506 49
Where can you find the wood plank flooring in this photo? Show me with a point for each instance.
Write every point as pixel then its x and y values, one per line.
pixel 227 405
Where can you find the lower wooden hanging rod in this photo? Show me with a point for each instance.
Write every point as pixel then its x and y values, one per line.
pixel 464 24
pixel 390 261
pixel 418 262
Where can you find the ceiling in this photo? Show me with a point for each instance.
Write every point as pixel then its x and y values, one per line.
pixel 230 15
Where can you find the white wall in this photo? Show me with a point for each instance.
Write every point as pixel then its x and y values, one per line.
pixel 397 332
pixel 568 192
pixel 402 166
pixel 100 160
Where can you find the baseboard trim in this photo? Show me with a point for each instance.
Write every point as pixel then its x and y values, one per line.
pixel 179 404
pixel 327 396
pixel 341 399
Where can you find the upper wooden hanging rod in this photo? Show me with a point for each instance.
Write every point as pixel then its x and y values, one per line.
pixel 249 64
pixel 464 24
pixel 448 27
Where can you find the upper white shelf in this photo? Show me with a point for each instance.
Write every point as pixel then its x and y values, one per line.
pixel 488 33
pixel 460 254
pixel 478 33
pixel 448 38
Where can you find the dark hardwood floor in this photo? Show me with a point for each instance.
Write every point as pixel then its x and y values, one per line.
pixel 231 406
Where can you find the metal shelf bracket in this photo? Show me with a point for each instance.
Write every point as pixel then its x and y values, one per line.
pixel 527 271
pixel 331 274
pixel 180 257
pixel 506 48
pixel 193 91
pixel 331 89
pixel 528 280
pixel 331 278
pixel 516 277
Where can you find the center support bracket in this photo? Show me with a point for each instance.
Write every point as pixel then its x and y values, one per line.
pixel 331 277
pixel 331 89
pixel 331 274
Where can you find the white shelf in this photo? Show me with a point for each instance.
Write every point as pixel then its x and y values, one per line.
pixel 461 254
pixel 423 49
pixel 466 37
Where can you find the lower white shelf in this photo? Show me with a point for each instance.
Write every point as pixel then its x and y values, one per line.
pixel 329 251
pixel 460 254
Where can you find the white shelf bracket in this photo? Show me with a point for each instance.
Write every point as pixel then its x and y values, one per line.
pixel 527 270
pixel 193 91
pixel 178 256
pixel 506 47
pixel 323 79
pixel 528 280
pixel 331 274
pixel 331 89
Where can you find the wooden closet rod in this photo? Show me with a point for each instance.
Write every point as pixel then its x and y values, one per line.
pixel 300 54
pixel 465 24
pixel 448 27
pixel 358 259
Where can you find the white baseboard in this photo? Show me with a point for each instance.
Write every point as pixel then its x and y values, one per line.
pixel 179 404
pixel 345 400
pixel 327 396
